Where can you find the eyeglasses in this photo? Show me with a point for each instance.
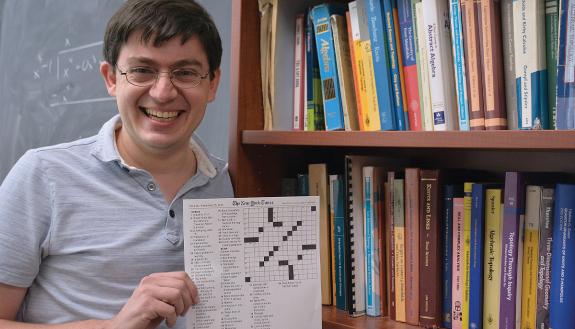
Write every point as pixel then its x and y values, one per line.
pixel 146 77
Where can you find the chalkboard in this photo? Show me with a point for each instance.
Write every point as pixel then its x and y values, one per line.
pixel 51 90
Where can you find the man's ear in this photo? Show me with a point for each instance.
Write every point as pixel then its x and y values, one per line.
pixel 109 75
pixel 214 83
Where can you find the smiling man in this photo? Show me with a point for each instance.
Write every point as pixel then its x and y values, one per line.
pixel 91 231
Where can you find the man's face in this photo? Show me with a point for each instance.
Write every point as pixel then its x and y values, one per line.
pixel 161 117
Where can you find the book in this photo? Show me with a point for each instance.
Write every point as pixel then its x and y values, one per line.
pixel 533 198
pixel 412 257
pixel 389 247
pixel 381 61
pixel 474 78
pixel 343 62
pixel 489 20
pixel 337 203
pixel 332 195
pixel 370 113
pixel 530 64
pixel 551 39
pixel 565 112
pixel 477 243
pixel 563 262
pixel 422 67
pixel 399 241
pixel 398 91
pixel 430 247
pixel 508 50
pixel 440 65
pixel 466 253
pixel 513 211
pixel 268 13
pixel 492 64
pixel 313 117
pixel 331 92
pixel 318 186
pixel 410 71
pixel 299 103
pixel 545 256
pixel 450 191
pixel 372 180
pixel 492 259
pixel 356 60
pixel 459 62
pixel 457 263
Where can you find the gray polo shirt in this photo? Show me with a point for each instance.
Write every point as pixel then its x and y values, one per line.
pixel 81 229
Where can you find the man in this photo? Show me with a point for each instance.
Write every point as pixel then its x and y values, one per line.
pixel 91 231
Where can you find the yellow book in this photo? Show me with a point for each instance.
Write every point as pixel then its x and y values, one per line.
pixel 364 79
pixel 530 256
pixel 492 258
pixel 399 243
pixel 318 185
pixel 466 269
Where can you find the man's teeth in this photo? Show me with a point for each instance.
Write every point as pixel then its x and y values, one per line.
pixel 161 115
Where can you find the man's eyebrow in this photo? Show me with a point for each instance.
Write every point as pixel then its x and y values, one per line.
pixel 187 62
pixel 177 64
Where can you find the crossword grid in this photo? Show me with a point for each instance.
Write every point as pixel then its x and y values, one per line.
pixel 280 243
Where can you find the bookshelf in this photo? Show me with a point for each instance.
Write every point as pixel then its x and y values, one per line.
pixel 258 159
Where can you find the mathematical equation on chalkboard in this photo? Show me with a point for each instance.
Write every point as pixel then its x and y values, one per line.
pixel 70 67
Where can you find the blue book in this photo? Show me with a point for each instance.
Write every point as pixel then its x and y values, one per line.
pixel 565 114
pixel 389 11
pixel 314 107
pixel 562 305
pixel 459 60
pixel 339 243
pixel 476 252
pixel 331 93
pixel 449 192
pixel 376 27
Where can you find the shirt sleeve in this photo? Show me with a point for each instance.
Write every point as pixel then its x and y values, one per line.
pixel 25 215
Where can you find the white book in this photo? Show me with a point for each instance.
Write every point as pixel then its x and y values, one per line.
pixel 530 62
pixel 299 100
pixel 426 114
pixel 440 64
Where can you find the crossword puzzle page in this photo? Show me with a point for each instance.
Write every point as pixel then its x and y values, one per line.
pixel 255 262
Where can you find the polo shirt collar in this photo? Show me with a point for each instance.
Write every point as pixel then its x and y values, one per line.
pixel 105 148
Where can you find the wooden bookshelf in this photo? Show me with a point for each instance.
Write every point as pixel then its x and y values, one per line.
pixel 258 159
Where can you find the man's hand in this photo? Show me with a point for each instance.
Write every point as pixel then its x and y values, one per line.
pixel 159 297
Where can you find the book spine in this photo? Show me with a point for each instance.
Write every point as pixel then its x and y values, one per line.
pixel 422 66
pixel 533 195
pixel 399 232
pixel 390 241
pixel 332 195
pixel 565 112
pixel 563 263
pixel 356 60
pixel 372 305
pixel 469 21
pixel 354 251
pixel 331 93
pixel 389 11
pixel 551 38
pixel 343 61
pixel 519 291
pixel 530 65
pixel 492 268
pixel 449 192
pixel 457 270
pixel 412 220
pixel 380 58
pixel 459 62
pixel 310 74
pixel 440 64
pixel 379 199
pixel 340 242
pixel 410 70
pixel 466 254
pixel 508 50
pixel 492 65
pixel 430 265
pixel 298 77
pixel 476 252
pixel 545 256
pixel 514 203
